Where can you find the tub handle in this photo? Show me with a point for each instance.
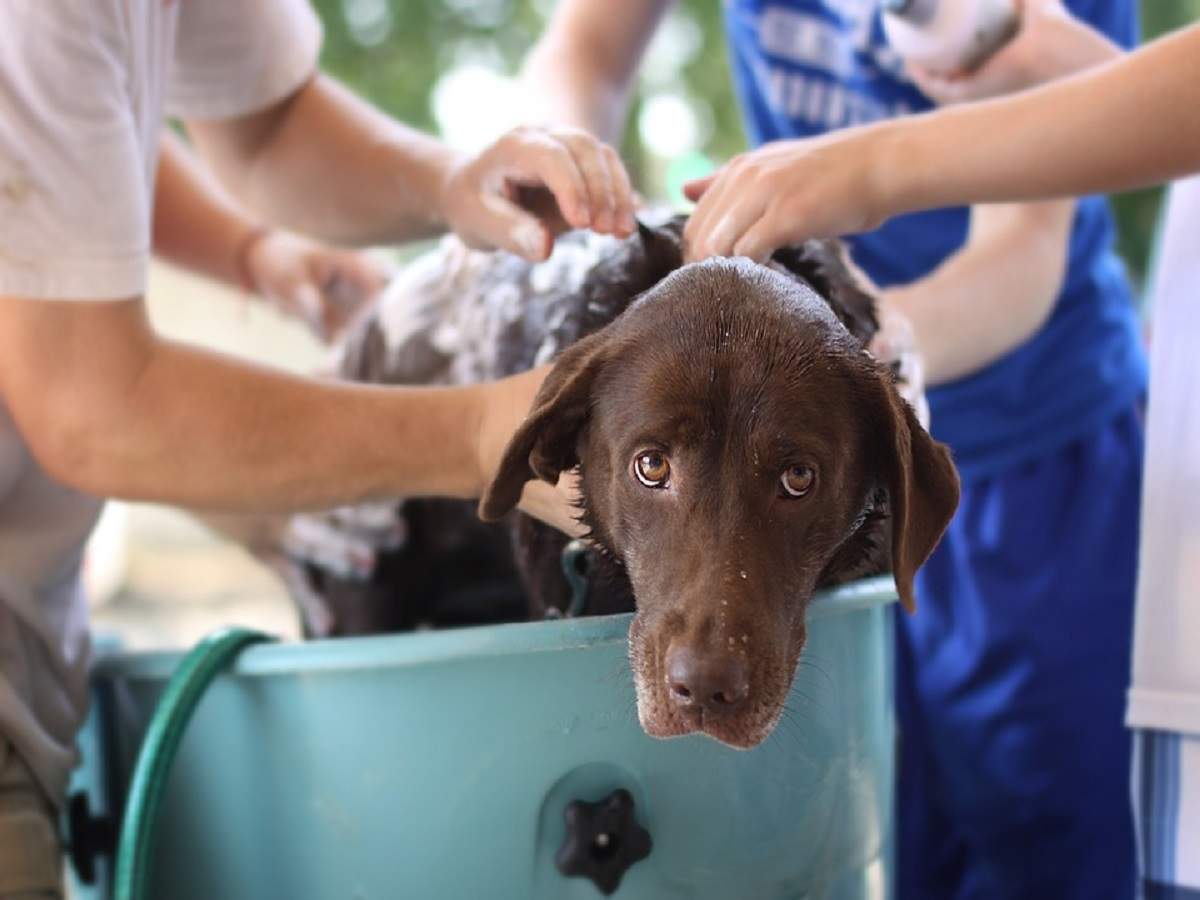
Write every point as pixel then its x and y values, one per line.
pixel 603 840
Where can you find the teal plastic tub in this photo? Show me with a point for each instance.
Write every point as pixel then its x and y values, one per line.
pixel 441 765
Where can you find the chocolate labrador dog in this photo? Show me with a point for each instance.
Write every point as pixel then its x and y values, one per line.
pixel 737 447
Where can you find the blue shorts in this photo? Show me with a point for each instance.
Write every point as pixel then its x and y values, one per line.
pixel 1014 762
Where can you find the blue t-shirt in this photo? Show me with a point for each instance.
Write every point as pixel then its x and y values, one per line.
pixel 805 67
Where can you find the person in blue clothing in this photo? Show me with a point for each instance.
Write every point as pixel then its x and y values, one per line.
pixel 1014 763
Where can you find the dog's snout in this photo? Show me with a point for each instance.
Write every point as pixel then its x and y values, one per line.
pixel 715 683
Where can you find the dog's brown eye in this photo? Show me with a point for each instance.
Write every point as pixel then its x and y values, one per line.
pixel 652 469
pixel 797 480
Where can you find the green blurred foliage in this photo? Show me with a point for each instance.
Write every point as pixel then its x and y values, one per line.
pixel 1138 211
pixel 394 51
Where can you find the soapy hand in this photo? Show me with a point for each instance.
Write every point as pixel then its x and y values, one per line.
pixel 534 183
pixel 895 345
pixel 1049 44
pixel 324 287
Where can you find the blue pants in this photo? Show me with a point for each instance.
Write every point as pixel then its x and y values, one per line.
pixel 1014 762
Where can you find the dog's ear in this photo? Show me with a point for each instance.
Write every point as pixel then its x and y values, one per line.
pixel 825 266
pixel 663 245
pixel 545 445
pixel 922 486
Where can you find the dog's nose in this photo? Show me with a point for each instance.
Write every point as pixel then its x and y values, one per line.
pixel 716 683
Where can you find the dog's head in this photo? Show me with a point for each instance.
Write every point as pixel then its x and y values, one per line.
pixel 735 442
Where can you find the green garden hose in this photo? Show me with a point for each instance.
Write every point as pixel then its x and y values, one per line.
pixel 135 849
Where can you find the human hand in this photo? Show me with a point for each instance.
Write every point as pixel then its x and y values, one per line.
pixel 787 192
pixel 324 287
pixel 895 345
pixel 534 183
pixel 1050 43
pixel 502 407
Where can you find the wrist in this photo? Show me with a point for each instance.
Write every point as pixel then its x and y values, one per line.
pixel 243 258
pixel 478 400
pixel 445 169
pixel 893 163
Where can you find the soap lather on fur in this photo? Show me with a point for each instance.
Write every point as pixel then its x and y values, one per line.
pixel 738 448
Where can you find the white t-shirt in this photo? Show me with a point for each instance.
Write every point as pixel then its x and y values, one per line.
pixel 1166 657
pixel 84 86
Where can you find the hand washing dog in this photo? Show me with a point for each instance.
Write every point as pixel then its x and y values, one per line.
pixel 737 448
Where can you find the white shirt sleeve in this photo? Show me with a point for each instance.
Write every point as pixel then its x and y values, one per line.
pixel 74 205
pixel 234 57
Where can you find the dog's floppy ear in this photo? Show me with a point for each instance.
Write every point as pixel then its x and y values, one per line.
pixel 663 245
pixel 825 266
pixel 545 445
pixel 922 486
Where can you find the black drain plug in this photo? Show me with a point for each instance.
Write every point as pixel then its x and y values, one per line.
pixel 603 840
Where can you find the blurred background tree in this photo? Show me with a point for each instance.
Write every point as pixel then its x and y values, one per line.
pixel 450 66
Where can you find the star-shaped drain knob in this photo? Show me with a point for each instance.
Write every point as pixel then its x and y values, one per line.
pixel 603 840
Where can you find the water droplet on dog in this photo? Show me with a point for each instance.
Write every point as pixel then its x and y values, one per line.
pixel 743 573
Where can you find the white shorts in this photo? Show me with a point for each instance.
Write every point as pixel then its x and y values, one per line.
pixel 1166 798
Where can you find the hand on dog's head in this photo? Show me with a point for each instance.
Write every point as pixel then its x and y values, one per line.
pixel 735 442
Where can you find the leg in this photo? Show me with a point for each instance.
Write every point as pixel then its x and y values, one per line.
pixel 1166 796
pixel 930 854
pixel 30 858
pixel 1020 652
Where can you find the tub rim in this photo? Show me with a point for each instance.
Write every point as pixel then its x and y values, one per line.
pixel 449 645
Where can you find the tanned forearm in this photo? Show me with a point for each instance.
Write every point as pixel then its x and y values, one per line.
pixel 994 293
pixel 581 71
pixel 111 409
pixel 1131 122
pixel 196 224
pixel 330 165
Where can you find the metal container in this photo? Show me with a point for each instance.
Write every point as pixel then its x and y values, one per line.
pixel 441 765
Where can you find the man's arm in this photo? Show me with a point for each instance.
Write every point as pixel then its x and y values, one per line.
pixel 109 408
pixel 328 164
pixel 581 70
pixel 993 294
pixel 198 226
pixel 195 224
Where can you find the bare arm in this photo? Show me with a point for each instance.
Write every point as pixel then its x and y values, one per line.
pixel 328 164
pixel 994 294
pixel 1132 122
pixel 109 408
pixel 365 177
pixel 199 227
pixel 196 225
pixel 582 69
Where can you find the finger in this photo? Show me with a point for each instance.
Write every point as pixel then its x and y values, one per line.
pixel 710 232
pixel 760 240
pixel 346 293
pixel 699 225
pixel 305 301
pixel 731 227
pixel 623 194
pixel 366 271
pixel 694 190
pixel 589 158
pixel 511 228
pixel 938 88
pixel 553 165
